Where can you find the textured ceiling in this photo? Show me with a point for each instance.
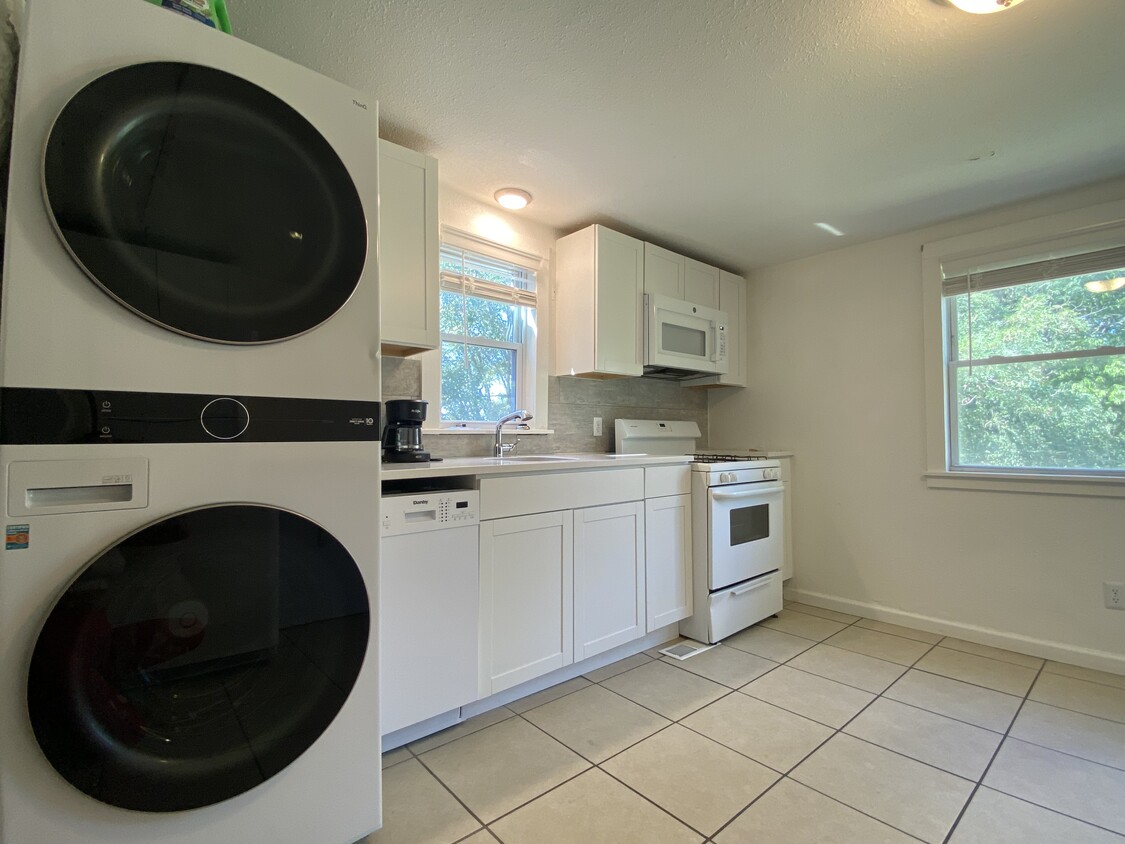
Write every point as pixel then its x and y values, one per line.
pixel 727 129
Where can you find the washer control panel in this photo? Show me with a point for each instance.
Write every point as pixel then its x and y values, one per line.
pixel 418 512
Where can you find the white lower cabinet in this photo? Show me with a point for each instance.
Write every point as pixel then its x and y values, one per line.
pixel 609 577
pixel 668 560
pixel 526 598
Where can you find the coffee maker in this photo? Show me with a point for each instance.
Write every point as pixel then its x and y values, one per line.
pixel 402 436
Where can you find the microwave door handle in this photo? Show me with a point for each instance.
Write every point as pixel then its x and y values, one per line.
pixel 758 489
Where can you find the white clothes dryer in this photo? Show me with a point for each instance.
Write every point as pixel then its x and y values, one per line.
pixel 186 212
pixel 187 626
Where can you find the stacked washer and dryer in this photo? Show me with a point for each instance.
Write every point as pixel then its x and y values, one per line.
pixel 189 386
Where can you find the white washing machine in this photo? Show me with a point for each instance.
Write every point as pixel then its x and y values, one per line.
pixel 188 631
pixel 186 213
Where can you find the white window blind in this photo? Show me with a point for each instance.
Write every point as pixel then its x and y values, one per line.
pixel 475 274
pixel 1063 267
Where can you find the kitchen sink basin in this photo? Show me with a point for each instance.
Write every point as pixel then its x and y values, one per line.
pixel 538 458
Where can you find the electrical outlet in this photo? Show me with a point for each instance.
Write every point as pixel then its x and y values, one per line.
pixel 1114 595
pixel 597 426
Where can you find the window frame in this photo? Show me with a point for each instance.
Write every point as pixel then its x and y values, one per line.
pixel 531 388
pixel 1088 229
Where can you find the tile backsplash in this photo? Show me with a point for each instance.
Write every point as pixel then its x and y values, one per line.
pixel 572 404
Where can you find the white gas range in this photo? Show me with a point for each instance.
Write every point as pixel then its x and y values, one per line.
pixel 738 527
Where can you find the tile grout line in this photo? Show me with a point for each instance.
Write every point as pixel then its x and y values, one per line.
pixel 995 753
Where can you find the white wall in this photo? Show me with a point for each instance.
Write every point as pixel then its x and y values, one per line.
pixel 836 374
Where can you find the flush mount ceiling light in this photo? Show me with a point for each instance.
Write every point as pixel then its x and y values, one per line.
pixel 1105 285
pixel 984 7
pixel 513 198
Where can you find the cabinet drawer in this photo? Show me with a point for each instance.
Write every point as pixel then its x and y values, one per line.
pixel 667 480
pixel 549 491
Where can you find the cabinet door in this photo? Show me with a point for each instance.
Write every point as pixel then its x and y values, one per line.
pixel 668 559
pixel 701 284
pixel 609 577
pixel 787 480
pixel 732 301
pixel 408 250
pixel 620 304
pixel 664 272
pixel 526 598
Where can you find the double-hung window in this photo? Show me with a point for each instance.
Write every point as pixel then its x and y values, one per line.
pixel 488 333
pixel 1034 363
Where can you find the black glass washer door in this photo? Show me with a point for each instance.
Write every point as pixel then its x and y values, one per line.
pixel 198 657
pixel 204 203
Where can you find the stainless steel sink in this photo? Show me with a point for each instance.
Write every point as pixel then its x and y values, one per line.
pixel 537 458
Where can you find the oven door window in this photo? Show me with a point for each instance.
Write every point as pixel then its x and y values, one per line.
pixel 749 524
pixel 204 203
pixel 198 657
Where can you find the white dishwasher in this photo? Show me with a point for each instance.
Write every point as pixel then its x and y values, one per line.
pixel 429 614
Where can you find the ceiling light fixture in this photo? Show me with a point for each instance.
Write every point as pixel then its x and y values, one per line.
pixel 1105 285
pixel 513 198
pixel 984 7
pixel 831 229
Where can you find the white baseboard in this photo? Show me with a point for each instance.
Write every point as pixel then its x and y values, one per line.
pixel 1059 651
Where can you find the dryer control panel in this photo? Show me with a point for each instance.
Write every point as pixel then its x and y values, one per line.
pixel 70 417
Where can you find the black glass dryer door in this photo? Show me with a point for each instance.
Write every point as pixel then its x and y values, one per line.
pixel 198 657
pixel 204 203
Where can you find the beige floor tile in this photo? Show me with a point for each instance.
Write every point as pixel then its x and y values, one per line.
pixel 762 731
pixel 806 694
pixel 906 794
pixel 1088 674
pixel 953 746
pixel 666 689
pixel 619 667
pixel 804 625
pixel 992 653
pixel 549 694
pixel 417 809
pixel 482 836
pixel 772 644
pixel 831 615
pixel 899 630
pixel 595 722
pixel 879 645
pixel 1096 739
pixel 980 671
pixel 993 817
pixel 592 809
pixel 790 813
pixel 465 728
pixel 962 701
pixel 1081 696
pixel 701 782
pixel 729 666
pixel 1075 787
pixel 393 757
pixel 496 769
pixel 848 667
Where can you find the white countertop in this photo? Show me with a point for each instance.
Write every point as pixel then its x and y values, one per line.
pixel 523 464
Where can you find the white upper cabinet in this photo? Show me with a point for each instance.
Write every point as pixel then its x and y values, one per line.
pixel 599 307
pixel 408 250
pixel 664 272
pixel 701 284
pixel 732 302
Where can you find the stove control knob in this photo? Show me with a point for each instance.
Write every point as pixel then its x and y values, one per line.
pixel 225 418
pixel 726 477
pixel 772 474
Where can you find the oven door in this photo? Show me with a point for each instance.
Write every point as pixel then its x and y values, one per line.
pixel 745 535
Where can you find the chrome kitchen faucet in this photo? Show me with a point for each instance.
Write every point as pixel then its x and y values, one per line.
pixel 499 447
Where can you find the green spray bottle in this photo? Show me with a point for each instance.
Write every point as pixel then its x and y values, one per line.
pixel 211 12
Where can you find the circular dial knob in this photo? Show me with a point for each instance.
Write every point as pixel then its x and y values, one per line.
pixel 225 419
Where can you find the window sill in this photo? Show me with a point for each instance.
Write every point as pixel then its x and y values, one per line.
pixel 485 432
pixel 1037 484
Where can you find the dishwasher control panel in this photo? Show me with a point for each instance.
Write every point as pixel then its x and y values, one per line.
pixel 418 512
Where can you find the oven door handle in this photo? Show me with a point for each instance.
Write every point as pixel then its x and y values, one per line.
pixel 758 489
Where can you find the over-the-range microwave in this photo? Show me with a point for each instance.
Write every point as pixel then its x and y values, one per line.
pixel 683 339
